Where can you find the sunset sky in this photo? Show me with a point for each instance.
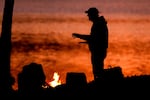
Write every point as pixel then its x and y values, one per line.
pixel 136 7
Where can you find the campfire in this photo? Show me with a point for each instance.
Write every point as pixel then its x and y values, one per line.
pixel 56 81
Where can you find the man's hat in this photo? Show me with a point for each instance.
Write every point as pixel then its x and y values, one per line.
pixel 92 10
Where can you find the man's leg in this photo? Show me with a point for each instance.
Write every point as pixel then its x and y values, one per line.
pixel 97 60
pixel 98 67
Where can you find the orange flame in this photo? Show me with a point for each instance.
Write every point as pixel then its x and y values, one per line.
pixel 56 80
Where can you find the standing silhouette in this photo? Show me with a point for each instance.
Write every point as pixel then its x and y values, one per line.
pixel 97 41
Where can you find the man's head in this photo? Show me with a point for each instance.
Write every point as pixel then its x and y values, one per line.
pixel 92 13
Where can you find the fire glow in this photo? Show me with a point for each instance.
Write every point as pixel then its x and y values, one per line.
pixel 56 81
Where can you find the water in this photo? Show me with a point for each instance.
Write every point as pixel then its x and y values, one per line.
pixel 41 32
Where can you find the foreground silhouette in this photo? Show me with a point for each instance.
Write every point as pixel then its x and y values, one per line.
pixel 31 82
pixel 112 85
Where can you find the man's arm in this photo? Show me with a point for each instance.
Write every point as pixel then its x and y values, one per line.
pixel 81 36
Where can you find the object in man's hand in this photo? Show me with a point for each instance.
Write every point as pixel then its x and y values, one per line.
pixel 75 35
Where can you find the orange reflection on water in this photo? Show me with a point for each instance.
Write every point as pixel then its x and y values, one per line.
pixel 47 40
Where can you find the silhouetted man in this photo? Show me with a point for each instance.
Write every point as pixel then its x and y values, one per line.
pixel 97 41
